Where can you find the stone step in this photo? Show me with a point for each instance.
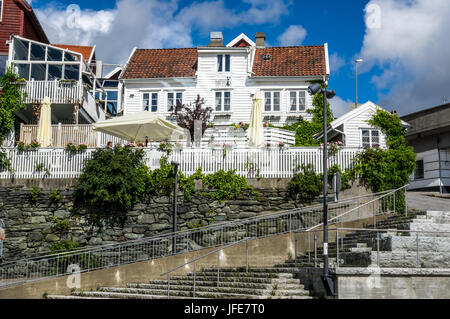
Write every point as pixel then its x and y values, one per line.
pixel 112 295
pixel 71 297
pixel 187 290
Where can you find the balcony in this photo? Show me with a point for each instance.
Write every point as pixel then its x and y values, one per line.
pixel 59 92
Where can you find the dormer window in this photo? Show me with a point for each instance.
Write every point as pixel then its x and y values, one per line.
pixel 223 63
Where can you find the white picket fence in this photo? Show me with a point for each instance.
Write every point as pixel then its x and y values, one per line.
pixel 248 162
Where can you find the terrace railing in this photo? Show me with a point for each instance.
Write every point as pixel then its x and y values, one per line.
pixel 58 92
pixel 248 162
pixel 215 235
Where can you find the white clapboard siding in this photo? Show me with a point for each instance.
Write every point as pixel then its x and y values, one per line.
pixel 250 163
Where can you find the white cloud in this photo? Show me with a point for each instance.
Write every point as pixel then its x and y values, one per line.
pixel 294 35
pixel 336 62
pixel 339 106
pixel 156 23
pixel 412 50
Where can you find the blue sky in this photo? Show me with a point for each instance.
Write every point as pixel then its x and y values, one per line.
pixel 396 51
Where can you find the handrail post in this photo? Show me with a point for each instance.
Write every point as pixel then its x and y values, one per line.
pixel 309 247
pixel 195 271
pixel 246 255
pixel 218 268
pixel 315 250
pixel 417 251
pixel 337 248
pixel 395 207
pixel 378 249
pixel 168 285
pixel 406 204
pixel 295 245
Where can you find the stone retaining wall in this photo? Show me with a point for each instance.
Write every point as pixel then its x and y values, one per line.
pixel 32 228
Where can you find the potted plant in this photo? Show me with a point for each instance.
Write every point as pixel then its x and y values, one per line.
pixel 281 145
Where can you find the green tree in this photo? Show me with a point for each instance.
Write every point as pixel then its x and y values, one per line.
pixel 114 177
pixel 11 100
pixel 305 130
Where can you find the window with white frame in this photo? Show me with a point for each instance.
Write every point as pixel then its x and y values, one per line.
pixel 370 138
pixel 1 10
pixel 41 62
pixel 223 101
pixel 297 101
pixel 174 99
pixel 150 102
pixel 223 63
pixel 272 101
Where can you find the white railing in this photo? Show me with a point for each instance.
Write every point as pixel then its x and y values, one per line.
pixel 250 163
pixel 65 133
pixel 58 92
pixel 77 134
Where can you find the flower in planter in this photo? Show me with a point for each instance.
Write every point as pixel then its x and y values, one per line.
pixel 71 148
pixel 21 146
pixel 267 145
pixel 266 124
pixel 82 147
pixel 34 144
pixel 129 144
pixel 281 145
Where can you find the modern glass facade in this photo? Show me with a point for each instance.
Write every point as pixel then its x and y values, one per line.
pixel 41 62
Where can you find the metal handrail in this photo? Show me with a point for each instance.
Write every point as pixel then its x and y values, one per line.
pixel 359 207
pixel 113 255
pixel 204 228
pixel 205 255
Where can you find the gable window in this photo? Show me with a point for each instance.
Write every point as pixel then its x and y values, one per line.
pixel 370 138
pixel 419 173
pixel 223 101
pixel 297 101
pixel 223 63
pixel 272 101
pixel 174 99
pixel 150 102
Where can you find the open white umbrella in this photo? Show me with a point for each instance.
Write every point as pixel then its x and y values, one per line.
pixel 255 131
pixel 44 136
pixel 139 126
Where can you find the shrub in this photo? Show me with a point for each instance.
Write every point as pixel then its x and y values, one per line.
pixel 114 177
pixel 34 193
pixel 225 185
pixel 306 185
pixel 54 196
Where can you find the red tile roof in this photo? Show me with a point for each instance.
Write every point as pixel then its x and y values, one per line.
pixel 162 63
pixel 290 61
pixel 86 51
pixel 284 61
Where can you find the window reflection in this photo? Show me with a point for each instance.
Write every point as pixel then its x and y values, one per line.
pixel 54 72
pixel 54 54
pixel 38 72
pixel 71 72
pixel 20 50
pixel 69 57
pixel 23 70
pixel 37 52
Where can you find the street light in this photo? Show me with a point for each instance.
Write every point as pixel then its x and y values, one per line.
pixel 329 281
pixel 356 63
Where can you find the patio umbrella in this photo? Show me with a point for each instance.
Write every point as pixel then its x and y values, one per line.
pixel 44 136
pixel 139 126
pixel 255 131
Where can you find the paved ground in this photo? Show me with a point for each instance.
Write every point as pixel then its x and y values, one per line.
pixel 423 201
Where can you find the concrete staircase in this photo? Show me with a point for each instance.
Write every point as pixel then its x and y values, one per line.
pixel 356 249
pixel 261 283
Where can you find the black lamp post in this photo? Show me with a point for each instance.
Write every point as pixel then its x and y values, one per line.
pixel 329 281
pixel 175 201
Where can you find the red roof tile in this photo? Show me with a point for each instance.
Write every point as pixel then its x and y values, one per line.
pixel 284 61
pixel 86 51
pixel 290 61
pixel 162 63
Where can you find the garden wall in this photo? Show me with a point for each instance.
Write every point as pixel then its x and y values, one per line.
pixel 33 227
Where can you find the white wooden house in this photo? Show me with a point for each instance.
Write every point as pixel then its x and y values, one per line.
pixel 353 129
pixel 226 77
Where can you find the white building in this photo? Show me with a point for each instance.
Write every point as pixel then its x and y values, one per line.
pixel 226 77
pixel 353 129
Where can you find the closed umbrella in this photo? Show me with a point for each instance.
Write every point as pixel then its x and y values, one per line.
pixel 255 131
pixel 139 126
pixel 44 136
